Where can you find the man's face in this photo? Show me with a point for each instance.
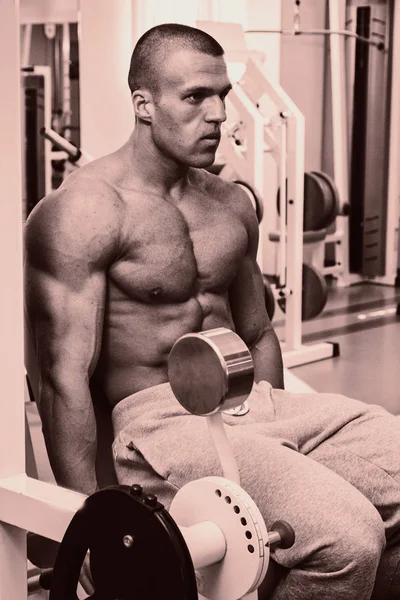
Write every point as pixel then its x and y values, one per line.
pixel 190 107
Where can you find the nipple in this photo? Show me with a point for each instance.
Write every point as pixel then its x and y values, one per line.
pixel 156 292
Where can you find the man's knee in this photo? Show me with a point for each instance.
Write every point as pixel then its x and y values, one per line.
pixel 354 547
pixel 345 541
pixel 361 548
pixel 339 560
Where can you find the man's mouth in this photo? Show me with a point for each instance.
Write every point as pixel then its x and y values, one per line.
pixel 216 137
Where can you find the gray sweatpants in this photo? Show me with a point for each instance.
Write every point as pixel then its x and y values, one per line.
pixel 327 464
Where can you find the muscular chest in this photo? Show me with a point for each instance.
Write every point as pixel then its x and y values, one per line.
pixel 173 252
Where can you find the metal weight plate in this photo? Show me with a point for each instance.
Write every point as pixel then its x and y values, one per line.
pixel 335 200
pixel 136 549
pixel 226 504
pixel 319 202
pixel 254 197
pixel 314 294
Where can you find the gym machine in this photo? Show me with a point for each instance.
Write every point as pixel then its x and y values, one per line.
pixel 76 156
pixel 38 156
pixel 373 96
pixel 213 526
pixel 364 64
pixel 321 208
pixel 50 97
pixel 262 118
pixel 42 144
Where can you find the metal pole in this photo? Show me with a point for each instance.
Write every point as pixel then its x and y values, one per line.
pixel 339 122
pixel 66 99
pixel 393 213
pixel 12 424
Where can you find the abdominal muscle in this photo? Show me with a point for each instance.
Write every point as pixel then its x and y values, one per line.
pixel 138 337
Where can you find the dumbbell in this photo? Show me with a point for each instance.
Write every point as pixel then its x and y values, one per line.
pixel 212 372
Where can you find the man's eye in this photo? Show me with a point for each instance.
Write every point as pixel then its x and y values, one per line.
pixel 194 98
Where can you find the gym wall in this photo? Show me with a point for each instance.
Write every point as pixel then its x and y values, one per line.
pixel 303 73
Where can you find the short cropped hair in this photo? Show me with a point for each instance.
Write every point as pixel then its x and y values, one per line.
pixel 151 49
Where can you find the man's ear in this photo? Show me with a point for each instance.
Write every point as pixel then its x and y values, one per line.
pixel 143 105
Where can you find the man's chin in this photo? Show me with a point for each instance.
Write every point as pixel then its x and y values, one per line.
pixel 203 161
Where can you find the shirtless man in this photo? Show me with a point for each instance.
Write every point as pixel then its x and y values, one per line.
pixel 142 246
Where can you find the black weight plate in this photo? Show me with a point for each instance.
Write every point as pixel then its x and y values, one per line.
pixel 313 296
pixel 335 201
pixel 254 197
pixel 156 565
pixel 317 202
pixel 317 197
pixel 314 293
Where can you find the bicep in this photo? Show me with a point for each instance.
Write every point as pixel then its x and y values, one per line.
pixel 254 326
pixel 246 294
pixel 247 302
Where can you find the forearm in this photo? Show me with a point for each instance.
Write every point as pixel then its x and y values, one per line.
pixel 70 435
pixel 267 359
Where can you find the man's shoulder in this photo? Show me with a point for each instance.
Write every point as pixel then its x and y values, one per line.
pixel 81 196
pixel 214 184
pixel 227 192
pixel 82 211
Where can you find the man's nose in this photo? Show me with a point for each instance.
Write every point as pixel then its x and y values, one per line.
pixel 216 110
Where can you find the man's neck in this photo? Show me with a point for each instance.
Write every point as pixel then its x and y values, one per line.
pixel 160 173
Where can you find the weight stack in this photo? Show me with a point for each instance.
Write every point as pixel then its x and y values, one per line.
pixel 368 83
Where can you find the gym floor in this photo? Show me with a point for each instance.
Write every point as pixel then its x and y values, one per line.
pixel 362 319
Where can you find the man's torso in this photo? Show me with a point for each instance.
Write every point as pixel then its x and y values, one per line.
pixel 171 275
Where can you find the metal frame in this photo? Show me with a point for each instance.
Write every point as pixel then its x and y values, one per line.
pixel 282 133
pixel 393 213
pixel 247 163
pixel 340 141
pixel 24 502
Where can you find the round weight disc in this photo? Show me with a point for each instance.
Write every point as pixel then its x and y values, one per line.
pixel 254 197
pixel 334 208
pixel 327 203
pixel 226 504
pixel 314 294
pixel 210 370
pixel 131 537
pixel 317 202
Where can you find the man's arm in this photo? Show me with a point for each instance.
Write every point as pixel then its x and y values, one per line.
pixel 247 301
pixel 69 242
